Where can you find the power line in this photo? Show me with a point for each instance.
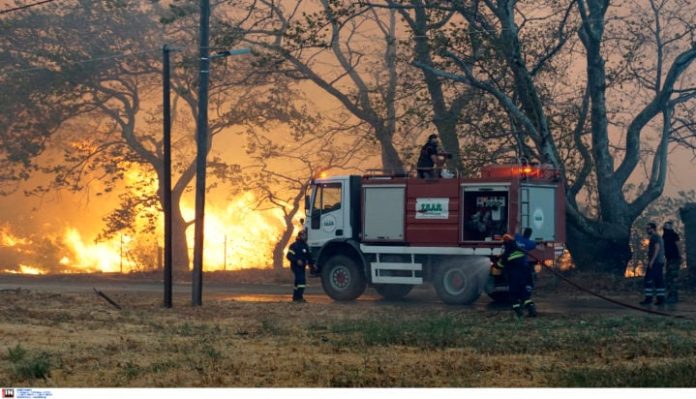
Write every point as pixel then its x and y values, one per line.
pixel 85 61
pixel 24 7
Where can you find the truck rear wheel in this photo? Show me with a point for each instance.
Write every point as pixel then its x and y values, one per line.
pixel 341 278
pixel 455 284
pixel 393 291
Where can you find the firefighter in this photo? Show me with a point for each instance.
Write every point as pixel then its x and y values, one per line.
pixel 431 159
pixel 299 257
pixel 670 238
pixel 654 284
pixel 525 243
pixel 514 263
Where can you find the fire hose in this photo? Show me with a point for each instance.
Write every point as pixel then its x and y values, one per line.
pixel 606 298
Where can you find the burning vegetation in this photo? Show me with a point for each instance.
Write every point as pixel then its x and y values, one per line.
pixel 237 236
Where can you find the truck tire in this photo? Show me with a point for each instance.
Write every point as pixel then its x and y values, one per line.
pixel 455 284
pixel 342 279
pixel 393 292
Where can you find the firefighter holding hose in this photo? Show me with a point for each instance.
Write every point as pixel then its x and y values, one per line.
pixel 514 262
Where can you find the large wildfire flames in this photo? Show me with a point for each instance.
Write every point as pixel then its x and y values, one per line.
pixel 236 237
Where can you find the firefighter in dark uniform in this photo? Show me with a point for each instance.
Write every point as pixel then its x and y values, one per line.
pixel 654 282
pixel 514 263
pixel 670 238
pixel 430 160
pixel 525 243
pixel 299 256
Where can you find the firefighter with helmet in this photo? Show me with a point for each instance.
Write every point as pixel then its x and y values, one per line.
pixel 514 262
pixel 299 256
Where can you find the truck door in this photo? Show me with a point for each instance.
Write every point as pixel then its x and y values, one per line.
pixel 538 211
pixel 327 220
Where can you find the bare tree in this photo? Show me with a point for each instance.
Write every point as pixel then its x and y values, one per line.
pixel 504 59
pixel 118 89
pixel 284 166
pixel 331 47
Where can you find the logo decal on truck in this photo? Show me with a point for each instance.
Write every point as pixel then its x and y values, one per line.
pixel 328 223
pixel 538 218
pixel 432 208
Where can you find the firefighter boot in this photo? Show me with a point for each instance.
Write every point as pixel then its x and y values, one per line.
pixel 518 310
pixel 299 294
pixel 531 308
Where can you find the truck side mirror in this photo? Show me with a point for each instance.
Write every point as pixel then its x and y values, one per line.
pixel 306 204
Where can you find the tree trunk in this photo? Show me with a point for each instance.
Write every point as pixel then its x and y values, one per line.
pixel 278 258
pixel 278 255
pixel 688 217
pixel 391 161
pixel 180 253
pixel 604 249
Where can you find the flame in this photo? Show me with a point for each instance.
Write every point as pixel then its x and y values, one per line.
pixel 7 239
pixel 30 270
pixel 92 257
pixel 237 236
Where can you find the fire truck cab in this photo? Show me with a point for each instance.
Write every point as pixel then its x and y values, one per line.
pixel 394 231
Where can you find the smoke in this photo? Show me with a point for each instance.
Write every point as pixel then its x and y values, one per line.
pixel 480 267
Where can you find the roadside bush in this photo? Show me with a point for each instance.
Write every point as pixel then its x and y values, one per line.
pixel 38 366
pixel 16 354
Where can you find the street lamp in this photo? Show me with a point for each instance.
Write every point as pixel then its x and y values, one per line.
pixel 227 53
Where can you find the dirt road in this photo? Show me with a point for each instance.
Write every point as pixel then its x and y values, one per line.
pixel 568 301
pixel 54 331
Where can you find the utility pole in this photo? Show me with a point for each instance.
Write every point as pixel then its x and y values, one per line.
pixel 202 152
pixel 167 179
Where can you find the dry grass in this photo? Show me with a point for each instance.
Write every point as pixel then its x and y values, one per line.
pixel 82 342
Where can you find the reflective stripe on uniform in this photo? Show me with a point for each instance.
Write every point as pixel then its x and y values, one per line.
pixel 528 301
pixel 290 251
pixel 516 255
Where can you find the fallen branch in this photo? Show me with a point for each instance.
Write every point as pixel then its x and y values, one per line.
pixel 111 301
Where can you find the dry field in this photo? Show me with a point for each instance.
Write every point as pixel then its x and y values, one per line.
pixel 63 339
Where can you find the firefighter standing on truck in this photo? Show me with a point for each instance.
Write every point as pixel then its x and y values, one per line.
pixel 299 256
pixel 514 263
pixel 431 159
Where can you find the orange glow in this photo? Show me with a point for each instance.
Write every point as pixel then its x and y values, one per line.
pixel 30 270
pixel 24 269
pixel 95 257
pixel 527 170
pixel 237 236
pixel 7 239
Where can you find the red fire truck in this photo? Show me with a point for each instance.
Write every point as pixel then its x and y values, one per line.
pixel 394 231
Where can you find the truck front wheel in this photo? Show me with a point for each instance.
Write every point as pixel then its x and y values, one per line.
pixel 393 291
pixel 341 278
pixel 455 284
